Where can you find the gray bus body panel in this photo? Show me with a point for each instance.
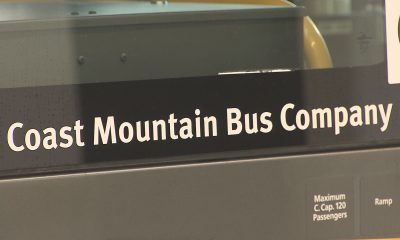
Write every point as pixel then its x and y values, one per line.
pixel 248 199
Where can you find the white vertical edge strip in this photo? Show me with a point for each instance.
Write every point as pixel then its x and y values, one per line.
pixel 393 43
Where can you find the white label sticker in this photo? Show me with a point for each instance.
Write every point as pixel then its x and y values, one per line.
pixel 393 41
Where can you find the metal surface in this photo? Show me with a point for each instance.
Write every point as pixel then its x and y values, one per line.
pixel 249 199
pixel 316 52
pixel 161 44
pixel 41 11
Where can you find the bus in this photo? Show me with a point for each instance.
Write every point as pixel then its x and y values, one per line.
pixel 207 119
